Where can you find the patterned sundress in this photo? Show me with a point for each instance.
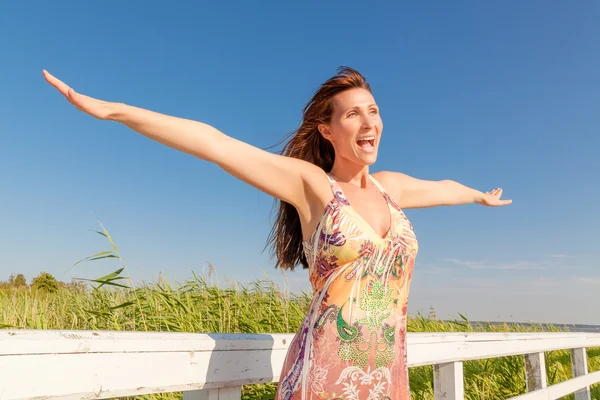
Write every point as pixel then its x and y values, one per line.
pixel 352 343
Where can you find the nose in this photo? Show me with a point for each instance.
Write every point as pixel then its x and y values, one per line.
pixel 367 121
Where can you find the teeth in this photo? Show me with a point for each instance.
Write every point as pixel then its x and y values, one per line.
pixel 367 138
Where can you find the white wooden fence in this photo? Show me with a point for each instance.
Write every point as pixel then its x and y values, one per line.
pixel 96 365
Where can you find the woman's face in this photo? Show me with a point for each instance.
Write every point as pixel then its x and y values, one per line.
pixel 355 126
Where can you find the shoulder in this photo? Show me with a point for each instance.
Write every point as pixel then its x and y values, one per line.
pixel 393 182
pixel 389 176
pixel 392 178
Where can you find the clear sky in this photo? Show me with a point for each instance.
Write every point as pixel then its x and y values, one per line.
pixel 485 93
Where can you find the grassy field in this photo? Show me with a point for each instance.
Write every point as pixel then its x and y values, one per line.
pixel 198 306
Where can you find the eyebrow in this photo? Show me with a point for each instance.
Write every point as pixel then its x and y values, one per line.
pixel 353 107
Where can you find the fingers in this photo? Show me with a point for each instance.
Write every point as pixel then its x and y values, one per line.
pixel 57 83
pixel 498 203
pixel 493 198
pixel 73 97
pixel 496 192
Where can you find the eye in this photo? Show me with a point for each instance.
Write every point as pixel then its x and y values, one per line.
pixel 374 111
pixel 351 113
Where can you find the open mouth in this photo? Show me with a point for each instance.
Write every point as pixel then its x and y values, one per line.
pixel 366 143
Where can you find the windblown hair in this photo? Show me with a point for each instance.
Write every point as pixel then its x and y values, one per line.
pixel 308 144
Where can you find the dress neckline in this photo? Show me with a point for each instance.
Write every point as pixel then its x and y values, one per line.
pixel 360 217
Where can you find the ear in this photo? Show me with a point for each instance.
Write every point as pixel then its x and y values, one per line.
pixel 324 131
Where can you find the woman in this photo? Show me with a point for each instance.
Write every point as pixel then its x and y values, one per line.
pixel 336 219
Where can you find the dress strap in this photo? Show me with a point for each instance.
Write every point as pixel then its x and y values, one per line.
pixel 385 194
pixel 335 187
pixel 381 189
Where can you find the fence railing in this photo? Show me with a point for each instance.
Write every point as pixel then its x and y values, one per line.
pixel 103 364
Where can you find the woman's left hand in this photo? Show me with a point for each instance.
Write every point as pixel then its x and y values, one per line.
pixel 492 199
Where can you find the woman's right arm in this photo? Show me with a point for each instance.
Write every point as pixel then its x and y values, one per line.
pixel 279 176
pixel 283 177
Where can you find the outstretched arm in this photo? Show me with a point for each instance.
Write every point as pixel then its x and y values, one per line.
pixel 411 192
pixel 279 176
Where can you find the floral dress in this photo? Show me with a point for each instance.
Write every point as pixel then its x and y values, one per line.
pixel 352 343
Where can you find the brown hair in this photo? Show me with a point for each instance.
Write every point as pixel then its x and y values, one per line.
pixel 308 144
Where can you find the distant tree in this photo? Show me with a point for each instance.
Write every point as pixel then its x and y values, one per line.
pixel 45 282
pixel 17 281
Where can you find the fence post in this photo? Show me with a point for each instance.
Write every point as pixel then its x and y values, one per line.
pixel 535 371
pixel 579 368
pixel 228 393
pixel 448 381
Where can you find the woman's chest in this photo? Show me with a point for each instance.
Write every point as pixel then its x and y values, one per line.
pixel 344 239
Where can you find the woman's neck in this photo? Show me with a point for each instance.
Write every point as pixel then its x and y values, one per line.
pixel 354 174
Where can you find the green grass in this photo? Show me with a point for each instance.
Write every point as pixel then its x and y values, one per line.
pixel 197 305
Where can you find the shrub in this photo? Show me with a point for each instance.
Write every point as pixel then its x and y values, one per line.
pixel 45 282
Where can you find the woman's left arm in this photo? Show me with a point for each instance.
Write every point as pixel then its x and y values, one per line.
pixel 411 192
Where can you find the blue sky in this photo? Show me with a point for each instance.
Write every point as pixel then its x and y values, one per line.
pixel 487 94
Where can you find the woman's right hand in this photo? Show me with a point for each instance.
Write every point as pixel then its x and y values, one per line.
pixel 96 108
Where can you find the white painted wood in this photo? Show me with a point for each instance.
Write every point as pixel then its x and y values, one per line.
pixel 88 364
pixel 52 342
pixel 104 375
pixel 580 368
pixel 202 394
pixel 535 371
pixel 432 348
pixel 425 348
pixel 228 393
pixel 562 389
pixel 448 381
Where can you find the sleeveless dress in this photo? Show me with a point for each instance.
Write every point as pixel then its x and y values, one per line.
pixel 352 343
